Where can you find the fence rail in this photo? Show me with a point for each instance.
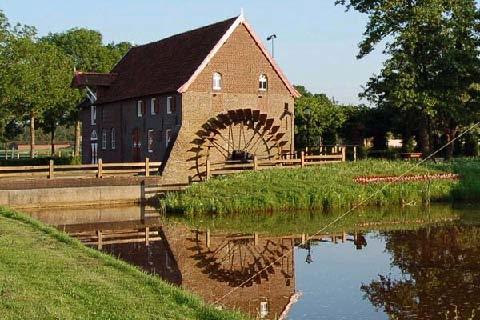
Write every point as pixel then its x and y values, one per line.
pixel 231 167
pixel 98 170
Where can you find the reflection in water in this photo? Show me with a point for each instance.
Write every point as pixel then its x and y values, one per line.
pixel 442 274
pixel 424 273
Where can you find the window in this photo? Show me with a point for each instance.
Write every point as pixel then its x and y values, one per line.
pixel 93 135
pixel 104 139
pixel 217 81
pixel 263 309
pixel 171 104
pixel 262 82
pixel 154 106
pixel 93 153
pixel 93 115
pixel 286 107
pixel 150 139
pixel 112 139
pixel 140 108
pixel 168 137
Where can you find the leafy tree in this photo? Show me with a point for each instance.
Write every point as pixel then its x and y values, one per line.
pixel 88 52
pixel 432 71
pixel 317 119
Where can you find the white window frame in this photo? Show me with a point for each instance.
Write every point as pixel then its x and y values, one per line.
pixel 150 138
pixel 168 137
pixel 93 115
pixel 93 135
pixel 113 144
pixel 217 81
pixel 94 152
pixel 263 309
pixel 152 106
pixel 140 108
pixel 169 104
pixel 104 139
pixel 262 82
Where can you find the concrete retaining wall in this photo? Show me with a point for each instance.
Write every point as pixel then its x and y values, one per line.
pixel 72 196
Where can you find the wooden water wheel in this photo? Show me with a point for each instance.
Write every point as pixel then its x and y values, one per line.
pixel 237 136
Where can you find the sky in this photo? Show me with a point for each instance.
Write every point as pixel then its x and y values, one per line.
pixel 316 43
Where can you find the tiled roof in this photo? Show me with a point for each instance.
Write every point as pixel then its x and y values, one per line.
pixel 82 79
pixel 162 66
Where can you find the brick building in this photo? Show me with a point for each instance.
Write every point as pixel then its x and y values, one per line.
pixel 213 92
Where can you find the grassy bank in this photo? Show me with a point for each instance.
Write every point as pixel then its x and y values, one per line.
pixel 326 187
pixel 47 275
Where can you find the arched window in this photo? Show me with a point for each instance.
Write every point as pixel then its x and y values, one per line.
pixel 217 81
pixel 112 139
pixel 104 139
pixel 262 82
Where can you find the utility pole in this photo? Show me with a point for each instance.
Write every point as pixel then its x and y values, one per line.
pixel 272 38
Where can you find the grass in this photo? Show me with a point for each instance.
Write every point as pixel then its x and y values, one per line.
pixel 45 274
pixel 308 222
pixel 326 187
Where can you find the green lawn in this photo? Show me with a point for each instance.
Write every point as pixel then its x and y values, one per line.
pixel 326 187
pixel 44 274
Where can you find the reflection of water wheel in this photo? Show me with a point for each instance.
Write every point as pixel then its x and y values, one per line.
pixel 238 135
pixel 237 259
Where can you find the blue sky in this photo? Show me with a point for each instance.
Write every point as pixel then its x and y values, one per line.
pixel 316 44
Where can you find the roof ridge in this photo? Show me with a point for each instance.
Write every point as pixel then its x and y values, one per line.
pixel 186 32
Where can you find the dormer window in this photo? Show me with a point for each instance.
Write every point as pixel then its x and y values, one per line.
pixel 262 83
pixel 217 81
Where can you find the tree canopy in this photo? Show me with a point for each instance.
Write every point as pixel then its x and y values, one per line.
pixel 432 71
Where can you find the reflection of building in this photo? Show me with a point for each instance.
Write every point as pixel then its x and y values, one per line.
pixel 184 257
pixel 213 268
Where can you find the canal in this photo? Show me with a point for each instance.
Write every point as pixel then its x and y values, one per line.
pixel 410 263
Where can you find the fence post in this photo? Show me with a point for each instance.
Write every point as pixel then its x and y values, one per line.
pixel 147 236
pixel 255 163
pixel 255 239
pixel 100 169
pixel 50 169
pixel 147 167
pixel 99 240
pixel 354 153
pixel 302 157
pixel 344 153
pixel 207 169
pixel 207 238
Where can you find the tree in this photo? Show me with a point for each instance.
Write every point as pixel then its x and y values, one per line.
pixel 88 52
pixel 34 76
pixel 317 119
pixel 432 71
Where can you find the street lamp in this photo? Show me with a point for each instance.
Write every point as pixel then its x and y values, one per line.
pixel 272 37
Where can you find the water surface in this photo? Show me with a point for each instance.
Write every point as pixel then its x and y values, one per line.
pixel 401 264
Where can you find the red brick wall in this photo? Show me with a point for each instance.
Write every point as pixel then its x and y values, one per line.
pixel 240 61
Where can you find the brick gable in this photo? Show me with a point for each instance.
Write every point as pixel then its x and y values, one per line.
pixel 240 61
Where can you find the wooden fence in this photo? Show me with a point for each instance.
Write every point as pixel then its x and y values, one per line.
pixel 100 238
pixel 98 170
pixel 287 161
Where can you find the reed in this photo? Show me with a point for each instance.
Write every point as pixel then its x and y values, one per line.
pixel 330 186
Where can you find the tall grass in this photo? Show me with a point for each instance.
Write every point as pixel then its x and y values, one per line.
pixel 327 187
